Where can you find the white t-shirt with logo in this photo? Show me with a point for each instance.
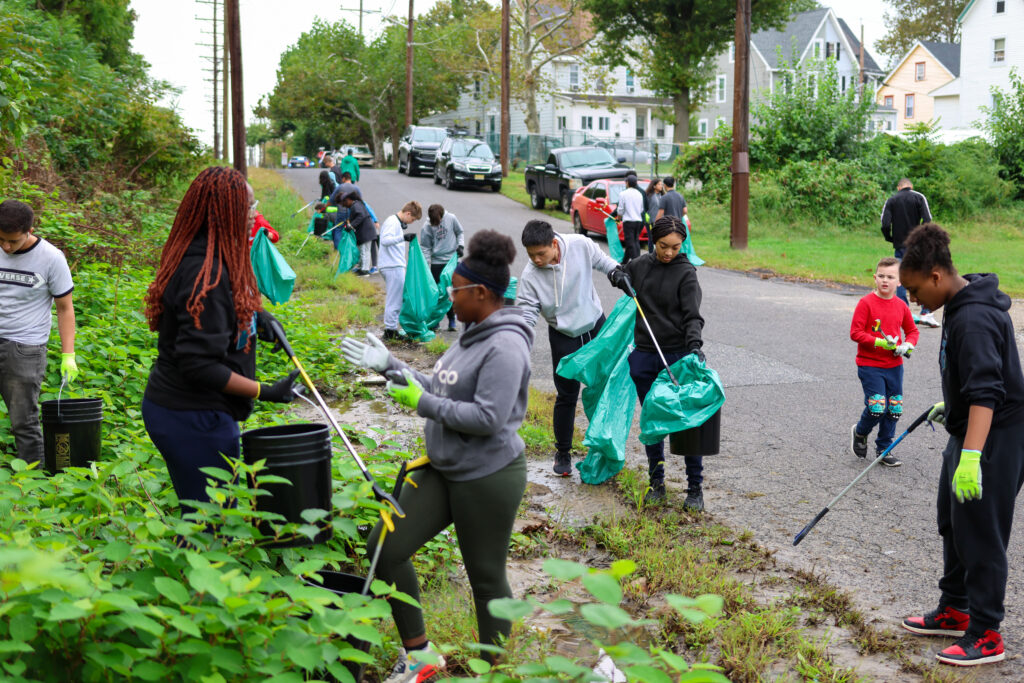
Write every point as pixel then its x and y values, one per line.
pixel 29 282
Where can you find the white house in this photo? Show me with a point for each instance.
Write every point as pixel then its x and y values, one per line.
pixel 991 43
pixel 815 35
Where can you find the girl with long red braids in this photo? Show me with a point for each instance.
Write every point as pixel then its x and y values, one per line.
pixel 205 307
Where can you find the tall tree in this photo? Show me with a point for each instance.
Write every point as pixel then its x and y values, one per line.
pixel 672 43
pixel 108 24
pixel 913 20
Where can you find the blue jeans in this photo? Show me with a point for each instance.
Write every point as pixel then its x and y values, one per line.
pixel 22 367
pixel 189 440
pixel 883 402
pixel 901 292
pixel 644 367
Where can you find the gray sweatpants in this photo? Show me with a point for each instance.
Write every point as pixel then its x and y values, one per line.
pixel 394 284
pixel 365 260
pixel 22 367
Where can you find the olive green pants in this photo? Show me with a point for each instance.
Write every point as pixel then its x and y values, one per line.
pixel 483 511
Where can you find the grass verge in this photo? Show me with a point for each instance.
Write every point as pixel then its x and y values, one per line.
pixel 514 187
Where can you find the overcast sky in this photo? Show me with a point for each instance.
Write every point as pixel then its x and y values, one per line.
pixel 168 34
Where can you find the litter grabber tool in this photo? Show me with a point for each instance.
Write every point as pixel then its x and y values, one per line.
pixel 296 212
pixel 380 494
pixel 913 425
pixel 877 327
pixel 650 332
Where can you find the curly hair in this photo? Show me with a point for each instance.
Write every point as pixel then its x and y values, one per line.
pixel 490 255
pixel 215 203
pixel 926 248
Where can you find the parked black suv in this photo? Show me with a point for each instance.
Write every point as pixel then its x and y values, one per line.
pixel 463 161
pixel 417 148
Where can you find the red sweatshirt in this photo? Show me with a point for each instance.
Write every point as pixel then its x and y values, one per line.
pixel 895 316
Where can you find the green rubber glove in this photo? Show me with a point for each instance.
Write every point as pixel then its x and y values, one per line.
pixel 938 413
pixel 967 478
pixel 885 343
pixel 407 394
pixel 68 366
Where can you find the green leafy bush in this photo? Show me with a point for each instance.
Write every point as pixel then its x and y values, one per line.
pixel 820 192
pixel 1004 124
pixel 708 163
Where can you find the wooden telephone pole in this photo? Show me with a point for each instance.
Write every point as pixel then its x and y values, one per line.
pixel 408 68
pixel 234 32
pixel 506 120
pixel 740 207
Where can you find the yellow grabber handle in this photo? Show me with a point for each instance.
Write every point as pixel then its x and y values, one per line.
pixel 380 494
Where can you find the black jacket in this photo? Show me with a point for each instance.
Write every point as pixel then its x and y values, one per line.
pixel 903 212
pixel 362 224
pixel 978 356
pixel 193 364
pixel 670 296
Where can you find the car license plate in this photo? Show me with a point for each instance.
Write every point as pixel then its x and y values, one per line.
pixel 478 177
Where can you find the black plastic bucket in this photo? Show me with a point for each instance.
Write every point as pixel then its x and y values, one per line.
pixel 702 440
pixel 300 453
pixel 71 432
pixel 341 583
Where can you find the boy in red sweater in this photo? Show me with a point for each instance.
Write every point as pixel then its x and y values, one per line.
pixel 878 321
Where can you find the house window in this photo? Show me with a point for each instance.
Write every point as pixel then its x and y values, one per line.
pixel 732 52
pixel 491 120
pixel 702 128
pixel 909 107
pixel 817 49
pixel 660 129
pixel 719 122
pixel 720 88
pixel 888 100
pixel 561 123
pixel 604 123
pixel 574 77
pixel 843 87
pixel 587 122
pixel 477 126
pixel 1000 6
pixel 919 71
pixel 630 81
pixel 999 50
pixel 476 90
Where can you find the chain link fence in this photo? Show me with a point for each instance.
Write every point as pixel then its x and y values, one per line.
pixel 648 156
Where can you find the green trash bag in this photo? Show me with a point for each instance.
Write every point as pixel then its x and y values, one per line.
pixel 348 250
pixel 510 292
pixel 614 245
pixel 274 277
pixel 419 298
pixel 443 303
pixel 609 397
pixel 687 247
pixel 669 408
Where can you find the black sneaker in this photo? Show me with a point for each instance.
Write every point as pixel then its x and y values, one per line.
pixel 655 494
pixel 858 443
pixel 392 335
pixel 563 464
pixel 891 461
pixel 944 621
pixel 694 500
pixel 973 649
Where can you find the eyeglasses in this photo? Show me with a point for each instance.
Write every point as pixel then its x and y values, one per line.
pixel 451 290
pixel 252 207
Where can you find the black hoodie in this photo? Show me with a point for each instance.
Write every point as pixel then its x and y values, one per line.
pixel 193 365
pixel 978 357
pixel 670 296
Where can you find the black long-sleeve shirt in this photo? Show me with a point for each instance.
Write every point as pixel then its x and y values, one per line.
pixel 903 212
pixel 193 364
pixel 670 296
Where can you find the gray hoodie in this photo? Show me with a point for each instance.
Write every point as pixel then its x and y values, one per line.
pixel 439 242
pixel 563 293
pixel 475 399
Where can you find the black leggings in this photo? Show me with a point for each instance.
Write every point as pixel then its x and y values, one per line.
pixel 567 391
pixel 483 511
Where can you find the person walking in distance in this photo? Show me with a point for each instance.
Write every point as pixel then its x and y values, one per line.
pixel 879 321
pixel 983 462
pixel 902 212
pixel 440 239
pixel 393 261
pixel 631 209
pixel 672 203
pixel 558 285
pixel 652 204
pixel 473 403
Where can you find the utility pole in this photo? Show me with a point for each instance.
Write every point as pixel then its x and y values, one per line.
pixel 234 31
pixel 860 75
pixel 215 68
pixel 408 68
pixel 225 79
pixel 740 206
pixel 506 121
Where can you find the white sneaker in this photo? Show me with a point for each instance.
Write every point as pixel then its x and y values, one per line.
pixel 928 320
pixel 409 669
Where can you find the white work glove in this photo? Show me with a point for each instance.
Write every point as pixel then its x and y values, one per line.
pixel 372 354
pixel 904 349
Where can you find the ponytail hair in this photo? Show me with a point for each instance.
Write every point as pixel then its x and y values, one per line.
pixel 927 248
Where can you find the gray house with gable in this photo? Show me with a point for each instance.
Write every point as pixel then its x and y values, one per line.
pixel 814 35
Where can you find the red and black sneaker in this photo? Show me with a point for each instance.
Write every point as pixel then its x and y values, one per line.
pixel 945 621
pixel 972 650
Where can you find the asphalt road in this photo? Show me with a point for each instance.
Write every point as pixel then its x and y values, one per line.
pixel 783 353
